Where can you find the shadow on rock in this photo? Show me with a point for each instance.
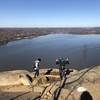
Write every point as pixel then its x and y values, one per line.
pixel 86 96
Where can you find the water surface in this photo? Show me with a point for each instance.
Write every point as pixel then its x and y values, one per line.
pixel 82 51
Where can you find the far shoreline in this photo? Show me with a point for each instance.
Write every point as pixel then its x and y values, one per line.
pixel 13 34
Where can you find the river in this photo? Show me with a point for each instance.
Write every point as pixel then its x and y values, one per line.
pixel 82 50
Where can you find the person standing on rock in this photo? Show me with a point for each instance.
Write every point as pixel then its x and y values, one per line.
pixel 62 63
pixel 36 67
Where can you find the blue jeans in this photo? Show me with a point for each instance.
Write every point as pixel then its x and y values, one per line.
pixel 62 73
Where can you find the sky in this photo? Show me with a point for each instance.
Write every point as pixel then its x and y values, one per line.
pixel 49 13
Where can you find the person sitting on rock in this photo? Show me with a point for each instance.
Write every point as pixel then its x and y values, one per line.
pixel 36 67
pixel 62 63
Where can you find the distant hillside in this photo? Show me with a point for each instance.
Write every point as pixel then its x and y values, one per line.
pixel 9 34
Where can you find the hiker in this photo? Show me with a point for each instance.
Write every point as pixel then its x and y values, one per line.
pixel 62 63
pixel 36 67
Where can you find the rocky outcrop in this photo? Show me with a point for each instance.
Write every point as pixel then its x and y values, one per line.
pixel 14 78
pixel 48 84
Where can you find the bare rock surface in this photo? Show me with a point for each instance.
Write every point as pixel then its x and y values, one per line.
pixel 15 77
pixel 21 84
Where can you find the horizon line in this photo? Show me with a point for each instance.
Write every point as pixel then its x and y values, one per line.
pixel 52 27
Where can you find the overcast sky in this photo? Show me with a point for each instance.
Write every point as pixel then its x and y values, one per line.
pixel 49 13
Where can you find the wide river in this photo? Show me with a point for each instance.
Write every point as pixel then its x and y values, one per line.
pixel 82 50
